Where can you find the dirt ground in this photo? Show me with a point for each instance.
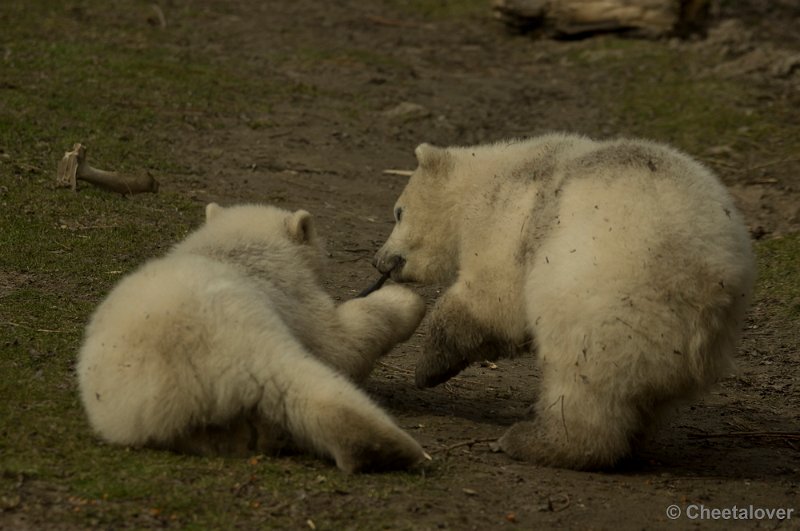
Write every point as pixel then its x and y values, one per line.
pixel 349 66
pixel 475 83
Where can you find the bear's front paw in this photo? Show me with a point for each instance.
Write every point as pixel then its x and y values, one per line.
pixel 434 368
pixel 407 307
pixel 442 357
pixel 455 340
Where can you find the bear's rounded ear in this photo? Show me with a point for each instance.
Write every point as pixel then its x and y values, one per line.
pixel 212 209
pixel 430 157
pixel 300 227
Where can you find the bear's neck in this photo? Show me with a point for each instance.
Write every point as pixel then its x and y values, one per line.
pixel 492 225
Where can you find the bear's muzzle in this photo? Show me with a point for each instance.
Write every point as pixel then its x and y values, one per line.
pixel 388 264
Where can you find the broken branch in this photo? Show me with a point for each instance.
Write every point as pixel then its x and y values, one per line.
pixel 402 173
pixel 73 167
pixel 469 443
pixel 760 434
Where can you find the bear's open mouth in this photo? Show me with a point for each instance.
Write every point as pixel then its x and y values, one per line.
pixel 396 271
pixel 393 273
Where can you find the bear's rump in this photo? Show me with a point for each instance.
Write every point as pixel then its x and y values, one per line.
pixel 162 348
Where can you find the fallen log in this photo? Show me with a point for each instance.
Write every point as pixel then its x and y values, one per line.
pixel 574 18
pixel 74 166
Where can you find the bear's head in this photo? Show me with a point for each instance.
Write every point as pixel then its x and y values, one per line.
pixel 263 222
pixel 423 246
pixel 261 228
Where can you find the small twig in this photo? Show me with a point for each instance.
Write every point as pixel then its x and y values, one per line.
pixel 17 325
pixel 321 171
pixel 773 163
pixel 404 173
pixel 469 443
pixel 718 162
pixel 280 134
pixel 764 434
pixel 564 502
pixel 383 21
pixel 376 286
pixel 273 509
pixel 162 20
pixel 237 489
pixel 357 250
pixel 692 478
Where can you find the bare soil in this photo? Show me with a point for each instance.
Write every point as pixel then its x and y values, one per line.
pixel 477 83
pixel 347 66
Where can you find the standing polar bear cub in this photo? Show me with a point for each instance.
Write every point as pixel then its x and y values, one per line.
pixel 624 262
pixel 228 344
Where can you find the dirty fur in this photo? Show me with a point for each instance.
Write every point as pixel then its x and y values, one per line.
pixel 625 260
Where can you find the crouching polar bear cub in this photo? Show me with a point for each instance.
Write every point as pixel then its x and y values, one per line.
pixel 624 264
pixel 228 344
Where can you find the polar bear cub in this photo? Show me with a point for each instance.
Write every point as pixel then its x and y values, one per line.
pixel 229 344
pixel 623 263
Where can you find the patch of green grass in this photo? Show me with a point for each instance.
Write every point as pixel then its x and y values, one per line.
pixel 129 98
pixel 779 275
pixel 654 92
pixel 687 113
pixel 127 94
pixel 106 78
pixel 61 253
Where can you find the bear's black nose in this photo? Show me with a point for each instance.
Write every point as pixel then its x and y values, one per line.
pixel 386 264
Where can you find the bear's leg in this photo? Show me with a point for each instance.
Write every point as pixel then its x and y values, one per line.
pixel 327 413
pixel 604 378
pixel 370 326
pixel 574 428
pixel 457 338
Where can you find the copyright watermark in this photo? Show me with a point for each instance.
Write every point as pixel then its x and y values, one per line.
pixel 736 512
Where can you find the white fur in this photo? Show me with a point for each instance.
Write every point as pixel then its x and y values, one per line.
pixel 624 262
pixel 229 344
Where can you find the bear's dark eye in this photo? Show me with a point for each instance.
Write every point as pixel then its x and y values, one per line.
pixel 398 214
